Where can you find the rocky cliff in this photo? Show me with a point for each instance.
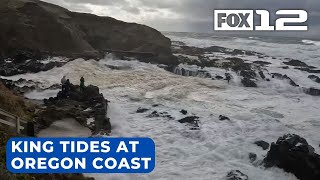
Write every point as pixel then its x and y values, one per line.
pixel 38 26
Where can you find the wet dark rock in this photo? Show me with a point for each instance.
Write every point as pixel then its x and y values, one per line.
pixel 250 74
pixel 313 91
pixel 252 157
pixel 262 75
pixel 248 82
pixel 74 104
pixel 237 52
pixel 184 112
pixel 280 76
pixel 262 63
pixel 219 77
pixel 314 71
pixel 192 51
pixel 236 64
pixel 216 49
pixel 235 59
pixel 296 63
pixel 30 66
pixel 264 145
pixel 314 78
pixel 142 110
pixel 189 119
pixel 21 55
pixel 236 175
pixel 285 67
pixel 155 105
pixel 223 118
pixel 293 154
pixel 155 114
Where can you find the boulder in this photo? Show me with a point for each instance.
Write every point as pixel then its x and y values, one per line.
pixel 264 145
pixel 160 114
pixel 248 82
pixel 250 74
pixel 293 62
pixel 184 112
pixel 282 77
pixel 314 78
pixel 223 118
pixel 237 52
pixel 262 75
pixel 293 154
pixel 219 77
pixel 74 104
pixel 309 70
pixel 192 121
pixel 252 157
pixel 261 63
pixel 189 119
pixel 236 175
pixel 313 91
pixel 36 26
pixel 142 110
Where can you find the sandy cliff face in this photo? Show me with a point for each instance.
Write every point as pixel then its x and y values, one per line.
pixel 36 25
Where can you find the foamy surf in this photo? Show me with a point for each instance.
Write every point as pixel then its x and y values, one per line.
pixel 264 113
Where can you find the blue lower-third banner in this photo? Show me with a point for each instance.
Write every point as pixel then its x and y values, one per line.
pixel 80 155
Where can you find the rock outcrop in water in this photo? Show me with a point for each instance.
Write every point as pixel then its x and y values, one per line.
pixel 313 91
pixel 89 104
pixel 236 175
pixel 293 154
pixel 314 78
pixel 32 26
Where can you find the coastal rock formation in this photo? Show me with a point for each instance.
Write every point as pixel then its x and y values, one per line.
pixel 293 154
pixel 82 106
pixel 314 78
pixel 35 26
pixel 28 66
pixel 248 82
pixel 192 121
pixel 284 77
pixel 313 91
pixel 236 175
pixel 264 145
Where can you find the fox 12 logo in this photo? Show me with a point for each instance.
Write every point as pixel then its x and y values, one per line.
pixel 244 20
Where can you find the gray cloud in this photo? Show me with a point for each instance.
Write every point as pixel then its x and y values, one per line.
pixel 186 15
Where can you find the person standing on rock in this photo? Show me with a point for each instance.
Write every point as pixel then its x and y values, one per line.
pixel 82 84
pixel 63 82
pixel 228 77
pixel 68 86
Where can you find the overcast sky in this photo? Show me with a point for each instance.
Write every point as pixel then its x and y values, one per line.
pixel 186 15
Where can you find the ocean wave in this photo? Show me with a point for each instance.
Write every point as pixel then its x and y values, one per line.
pixel 310 42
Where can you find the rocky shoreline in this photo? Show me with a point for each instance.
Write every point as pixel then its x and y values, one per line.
pixel 91 37
pixel 90 104
pixel 88 107
pixel 231 60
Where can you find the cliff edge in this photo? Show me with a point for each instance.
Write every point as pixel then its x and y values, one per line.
pixel 34 25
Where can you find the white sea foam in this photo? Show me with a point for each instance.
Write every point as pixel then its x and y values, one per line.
pixel 264 113
pixel 300 51
pixel 310 42
pixel 256 114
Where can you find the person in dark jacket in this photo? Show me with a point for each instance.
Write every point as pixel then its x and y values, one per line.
pixel 228 77
pixel 82 84
pixel 63 83
pixel 68 86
